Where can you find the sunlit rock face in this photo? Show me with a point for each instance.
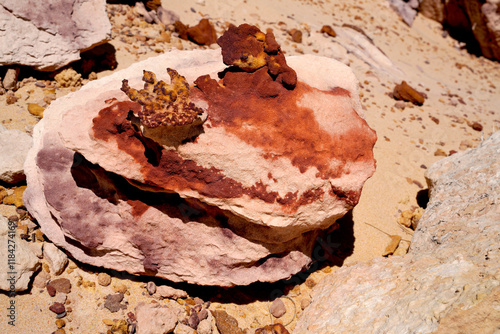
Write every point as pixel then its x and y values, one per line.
pixel 237 195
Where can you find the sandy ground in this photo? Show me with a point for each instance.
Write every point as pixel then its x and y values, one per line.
pixel 460 88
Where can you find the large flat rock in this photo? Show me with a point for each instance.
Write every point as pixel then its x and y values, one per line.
pixel 242 202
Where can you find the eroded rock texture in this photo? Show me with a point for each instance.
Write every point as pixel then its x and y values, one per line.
pixel 451 276
pixel 476 19
pixel 51 33
pixel 243 200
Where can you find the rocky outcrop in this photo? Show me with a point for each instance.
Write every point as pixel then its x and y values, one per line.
pixel 230 199
pixel 50 34
pixel 451 273
pixel 14 146
pixel 479 19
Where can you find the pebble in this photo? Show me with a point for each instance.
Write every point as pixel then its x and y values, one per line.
pixel 193 320
pixel 120 288
pixel 405 92
pixel 40 84
pixel 60 297
pixel 277 308
pixel 310 283
pixel 204 327
pixel 60 323
pixel 103 279
pixel 226 324
pixel 60 331
pixel 169 292
pixel 10 78
pixel 57 308
pixel 56 258
pixel 113 302
pixel 41 280
pixel 393 244
pixel 328 30
pixel 400 105
pixel 477 126
pixel 151 287
pixel 272 329
pixel 296 35
pixel 184 329
pixel 61 285
pixel 203 314
pixel 51 290
pixel 36 109
pixel 16 198
pixel 61 315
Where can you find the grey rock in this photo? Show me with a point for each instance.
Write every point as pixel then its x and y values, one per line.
pixel 453 263
pixel 166 16
pixel 50 34
pixel 18 261
pixel 406 9
pixel 151 287
pixel 113 302
pixel 14 147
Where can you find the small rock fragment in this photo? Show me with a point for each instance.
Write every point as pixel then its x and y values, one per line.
pixel 440 153
pixel 60 297
pixel 272 329
pixel 193 320
pixel 60 323
pixel 56 258
pixel 61 285
pixel 204 327
pixel 103 279
pixel 477 126
pixel 326 29
pixel 402 248
pixel 296 35
pixel 16 198
pixel 184 329
pixel 36 109
pixel 152 319
pixel 51 290
pixel 393 244
pixel 277 308
pixel 57 308
pixel 404 92
pixel 203 33
pixel 10 78
pixel 68 78
pixel 226 324
pixel 41 279
pixel 166 17
pixel 410 218
pixel 169 292
pixel 112 302
pixel 120 327
pixel 151 287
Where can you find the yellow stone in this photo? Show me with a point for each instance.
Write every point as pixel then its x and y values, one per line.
pixel 393 244
pixel 36 110
pixel 60 323
pixel 16 198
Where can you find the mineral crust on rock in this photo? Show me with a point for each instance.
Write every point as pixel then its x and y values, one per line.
pixel 241 200
pixel 51 33
pixel 450 279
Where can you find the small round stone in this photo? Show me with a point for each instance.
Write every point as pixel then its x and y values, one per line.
pixel 103 279
pixel 277 308
pixel 57 308
pixel 60 323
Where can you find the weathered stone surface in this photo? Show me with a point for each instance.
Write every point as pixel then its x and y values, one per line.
pixel 16 270
pixel 50 34
pixel 56 258
pixel 14 147
pixel 478 18
pixel 453 264
pixel 152 318
pixel 243 202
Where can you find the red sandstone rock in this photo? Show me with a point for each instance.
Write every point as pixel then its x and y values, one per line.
pixel 243 201
pixel 405 92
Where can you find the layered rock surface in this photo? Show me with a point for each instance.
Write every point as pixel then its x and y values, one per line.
pixel 50 34
pixel 243 201
pixel 449 280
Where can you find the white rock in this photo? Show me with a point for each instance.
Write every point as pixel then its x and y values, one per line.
pixel 56 258
pixel 453 262
pixel 50 34
pixel 18 262
pixel 10 78
pixel 14 147
pixel 168 292
pixel 204 327
pixel 153 319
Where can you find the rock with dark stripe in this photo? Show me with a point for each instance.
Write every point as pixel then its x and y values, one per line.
pixel 241 201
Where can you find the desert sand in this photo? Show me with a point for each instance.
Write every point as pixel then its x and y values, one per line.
pixel 461 89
